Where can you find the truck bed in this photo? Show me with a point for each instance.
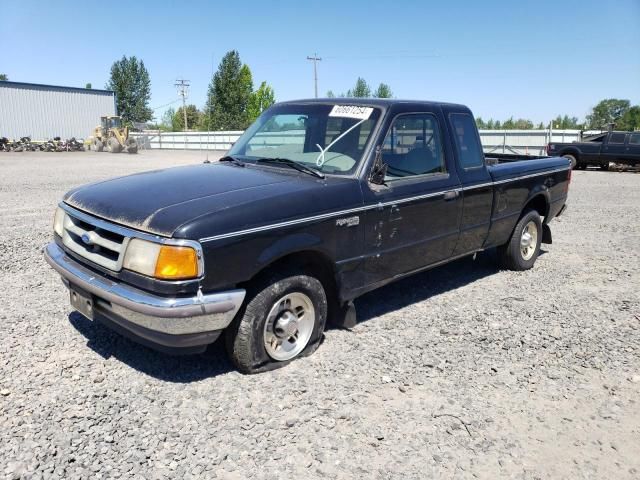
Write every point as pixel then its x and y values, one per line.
pixel 516 166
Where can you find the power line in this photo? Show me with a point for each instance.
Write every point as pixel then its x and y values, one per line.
pixel 183 90
pixel 166 104
pixel 315 60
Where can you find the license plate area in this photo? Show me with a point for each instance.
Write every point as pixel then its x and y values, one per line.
pixel 81 301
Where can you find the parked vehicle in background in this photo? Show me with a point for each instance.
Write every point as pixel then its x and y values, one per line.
pixel 317 203
pixel 600 150
pixel 111 136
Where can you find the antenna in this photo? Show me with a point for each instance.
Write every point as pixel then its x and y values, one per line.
pixel 209 115
pixel 315 59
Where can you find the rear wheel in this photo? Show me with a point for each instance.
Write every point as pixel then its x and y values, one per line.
pixel 572 159
pixel 523 248
pixel 284 319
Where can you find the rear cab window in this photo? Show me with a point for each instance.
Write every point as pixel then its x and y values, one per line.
pixel 467 142
pixel 634 139
pixel 617 137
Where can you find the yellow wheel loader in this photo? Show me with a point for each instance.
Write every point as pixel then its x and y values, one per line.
pixel 111 136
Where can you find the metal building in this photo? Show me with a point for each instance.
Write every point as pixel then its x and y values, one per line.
pixel 46 111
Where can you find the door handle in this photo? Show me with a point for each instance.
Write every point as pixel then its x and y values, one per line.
pixel 451 195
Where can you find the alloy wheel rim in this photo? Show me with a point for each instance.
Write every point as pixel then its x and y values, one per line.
pixel 289 326
pixel 529 240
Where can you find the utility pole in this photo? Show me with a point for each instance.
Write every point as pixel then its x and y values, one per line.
pixel 315 59
pixel 183 90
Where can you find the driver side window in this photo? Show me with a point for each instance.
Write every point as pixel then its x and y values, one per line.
pixel 413 147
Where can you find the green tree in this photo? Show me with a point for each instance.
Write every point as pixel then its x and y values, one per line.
pixel 246 87
pixel 630 120
pixel 523 124
pixel 360 90
pixel 607 111
pixel 3 77
pixel 88 86
pixel 540 126
pixel 132 86
pixel 383 91
pixel 480 123
pixel 260 100
pixel 193 118
pixel 166 124
pixel 565 122
pixel 330 94
pixel 228 95
pixel 509 124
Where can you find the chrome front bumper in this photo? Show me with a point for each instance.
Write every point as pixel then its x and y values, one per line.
pixel 143 313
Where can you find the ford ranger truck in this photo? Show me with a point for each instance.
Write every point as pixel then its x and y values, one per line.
pixel 317 203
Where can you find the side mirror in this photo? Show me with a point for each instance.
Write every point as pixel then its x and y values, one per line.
pixel 378 174
pixel 379 170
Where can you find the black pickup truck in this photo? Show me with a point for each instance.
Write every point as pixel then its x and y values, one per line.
pixel 600 150
pixel 317 203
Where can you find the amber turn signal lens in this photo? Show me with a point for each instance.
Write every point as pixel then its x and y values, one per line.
pixel 176 263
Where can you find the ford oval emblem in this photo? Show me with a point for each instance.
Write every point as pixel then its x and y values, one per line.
pixel 86 238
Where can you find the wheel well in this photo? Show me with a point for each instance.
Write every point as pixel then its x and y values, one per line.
pixel 573 153
pixel 310 262
pixel 539 204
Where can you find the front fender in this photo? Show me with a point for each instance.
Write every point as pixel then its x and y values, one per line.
pixel 288 245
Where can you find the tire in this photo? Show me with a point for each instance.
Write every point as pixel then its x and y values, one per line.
pixel 98 146
pixel 271 316
pixel 513 255
pixel 132 146
pixel 113 146
pixel 605 167
pixel 572 159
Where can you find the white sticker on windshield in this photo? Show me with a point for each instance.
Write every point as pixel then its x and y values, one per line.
pixel 351 111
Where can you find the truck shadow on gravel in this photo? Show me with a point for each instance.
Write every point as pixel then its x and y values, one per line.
pixel 176 369
pixel 191 368
pixel 422 286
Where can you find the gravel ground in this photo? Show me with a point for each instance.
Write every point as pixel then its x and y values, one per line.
pixel 464 371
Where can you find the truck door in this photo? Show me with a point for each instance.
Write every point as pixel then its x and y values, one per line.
pixel 633 148
pixel 614 149
pixel 477 187
pixel 416 219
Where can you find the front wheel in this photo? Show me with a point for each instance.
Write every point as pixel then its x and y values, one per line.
pixel 283 320
pixel 523 248
pixel 113 145
pixel 131 146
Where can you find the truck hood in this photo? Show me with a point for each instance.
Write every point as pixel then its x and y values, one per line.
pixel 205 199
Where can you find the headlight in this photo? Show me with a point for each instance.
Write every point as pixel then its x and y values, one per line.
pixel 165 262
pixel 58 221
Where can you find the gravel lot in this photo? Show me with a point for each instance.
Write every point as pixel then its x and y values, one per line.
pixel 464 371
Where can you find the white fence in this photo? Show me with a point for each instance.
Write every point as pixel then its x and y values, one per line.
pixel 522 142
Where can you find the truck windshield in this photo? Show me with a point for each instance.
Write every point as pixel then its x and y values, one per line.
pixel 326 137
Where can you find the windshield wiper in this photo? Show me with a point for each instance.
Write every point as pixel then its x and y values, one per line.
pixel 293 164
pixel 232 159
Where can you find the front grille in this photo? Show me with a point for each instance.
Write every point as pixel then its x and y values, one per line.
pixel 99 245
